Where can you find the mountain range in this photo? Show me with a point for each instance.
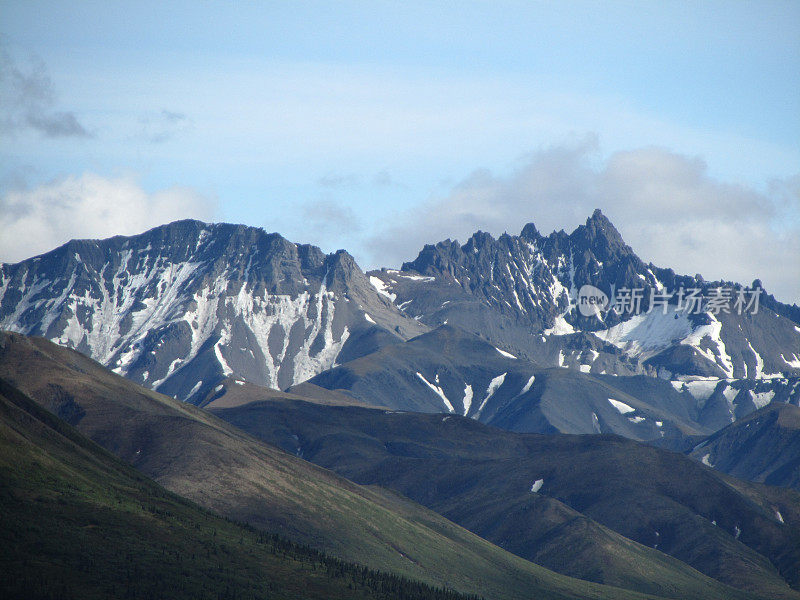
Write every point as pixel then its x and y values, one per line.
pixel 519 292
pixel 551 410
pixel 184 306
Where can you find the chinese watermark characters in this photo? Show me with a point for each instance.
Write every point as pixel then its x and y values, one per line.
pixel 592 301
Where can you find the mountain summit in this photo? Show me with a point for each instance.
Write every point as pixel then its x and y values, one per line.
pixel 531 278
pixel 520 293
pixel 182 306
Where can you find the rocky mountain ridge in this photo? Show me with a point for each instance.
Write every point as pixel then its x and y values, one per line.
pixel 182 306
pixel 521 293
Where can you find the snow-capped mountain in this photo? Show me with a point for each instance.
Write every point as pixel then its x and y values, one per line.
pixel 182 306
pixel 520 293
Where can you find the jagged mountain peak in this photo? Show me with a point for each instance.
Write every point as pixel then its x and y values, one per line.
pixel 598 219
pixel 598 236
pixel 596 225
pixel 435 256
pixel 343 275
pixel 530 233
pixel 528 278
pixel 179 240
pixel 601 237
pixel 534 269
pixel 479 239
pixel 512 288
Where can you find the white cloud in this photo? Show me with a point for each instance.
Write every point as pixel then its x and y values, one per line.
pixel 666 206
pixel 90 206
pixel 550 188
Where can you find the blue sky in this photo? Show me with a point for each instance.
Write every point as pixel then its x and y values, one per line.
pixel 379 126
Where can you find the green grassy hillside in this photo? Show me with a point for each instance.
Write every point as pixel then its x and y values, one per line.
pixel 78 523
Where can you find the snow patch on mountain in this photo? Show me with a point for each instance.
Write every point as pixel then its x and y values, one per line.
pixel 417 277
pixel 528 385
pixel 467 401
pixel 560 326
pixel 701 388
pixel 195 389
pixel 794 362
pixel 381 288
pixel 647 334
pixel 506 354
pixel 437 390
pixel 621 406
pixel 596 424
pixel 223 339
pixel 711 332
pixel 762 399
pixel 730 393
pixel 494 385
pixel 759 361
